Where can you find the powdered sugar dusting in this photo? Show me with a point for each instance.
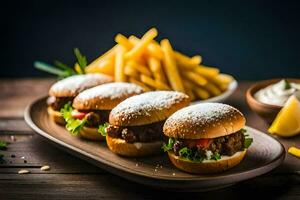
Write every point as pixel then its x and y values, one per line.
pixel 111 91
pixel 143 104
pixel 77 83
pixel 192 122
pixel 204 113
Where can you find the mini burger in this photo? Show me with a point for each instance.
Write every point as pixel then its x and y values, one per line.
pixel 136 124
pixel 88 116
pixel 65 90
pixel 206 138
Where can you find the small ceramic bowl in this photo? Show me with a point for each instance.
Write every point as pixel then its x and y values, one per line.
pixel 266 111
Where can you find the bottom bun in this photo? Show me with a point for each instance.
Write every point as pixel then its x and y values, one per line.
pixel 56 116
pixel 137 149
pixel 91 134
pixel 207 166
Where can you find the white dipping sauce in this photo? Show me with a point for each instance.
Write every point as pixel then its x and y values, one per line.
pixel 278 93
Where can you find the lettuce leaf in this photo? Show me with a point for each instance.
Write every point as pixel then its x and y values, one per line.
pixel 191 155
pixel 102 129
pixel 248 140
pixel 169 146
pixel 73 125
pixel 216 156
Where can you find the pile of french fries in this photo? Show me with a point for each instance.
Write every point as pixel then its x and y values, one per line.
pixel 157 66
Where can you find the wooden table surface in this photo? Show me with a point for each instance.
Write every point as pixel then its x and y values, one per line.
pixel 72 178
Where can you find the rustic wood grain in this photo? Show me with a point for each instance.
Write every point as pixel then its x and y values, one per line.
pixel 17 93
pixel 82 186
pixel 71 178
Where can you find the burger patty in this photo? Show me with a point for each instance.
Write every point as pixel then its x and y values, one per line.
pixel 96 117
pixel 226 145
pixel 131 134
pixel 57 103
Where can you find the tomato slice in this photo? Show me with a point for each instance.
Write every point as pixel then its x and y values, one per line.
pixel 200 143
pixel 78 115
pixel 203 143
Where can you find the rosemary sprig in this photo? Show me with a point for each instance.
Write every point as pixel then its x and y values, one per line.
pixel 81 60
pixel 62 70
pixel 50 69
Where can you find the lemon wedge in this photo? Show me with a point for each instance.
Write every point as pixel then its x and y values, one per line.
pixel 287 121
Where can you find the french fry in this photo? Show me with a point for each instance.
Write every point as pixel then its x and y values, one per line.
pixel 122 40
pixel 197 59
pixel 194 77
pixel 131 72
pixel 222 81
pixel 105 67
pixel 119 65
pixel 188 84
pixel 208 72
pixel 107 55
pixel 201 93
pixel 170 66
pixel 224 78
pixel 142 44
pixel 153 83
pixel 190 93
pixel 141 68
pixel 133 40
pixel 188 90
pixel 145 87
pixel 198 91
pixel 212 89
pixel 153 49
pixel 155 67
pixel 185 61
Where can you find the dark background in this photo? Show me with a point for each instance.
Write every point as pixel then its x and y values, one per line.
pixel 248 39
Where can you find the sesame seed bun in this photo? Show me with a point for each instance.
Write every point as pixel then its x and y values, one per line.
pixel 205 120
pixel 91 134
pixel 73 85
pixel 147 108
pixel 207 166
pixel 106 96
pixel 56 116
pixel 138 149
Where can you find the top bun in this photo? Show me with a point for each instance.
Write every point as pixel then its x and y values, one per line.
pixel 73 85
pixel 205 120
pixel 106 96
pixel 147 108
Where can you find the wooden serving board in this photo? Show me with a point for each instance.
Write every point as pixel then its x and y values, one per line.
pixel 265 154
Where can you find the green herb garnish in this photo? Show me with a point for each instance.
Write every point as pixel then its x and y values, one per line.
pixel 184 152
pixel 73 125
pixel 50 69
pixel 189 154
pixel 287 85
pixel 3 145
pixel 169 146
pixel 62 70
pixel 247 143
pixel 102 129
pixel 243 130
pixel 69 70
pixel 216 156
pixel 81 60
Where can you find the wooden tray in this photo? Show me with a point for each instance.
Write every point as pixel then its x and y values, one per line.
pixel 264 155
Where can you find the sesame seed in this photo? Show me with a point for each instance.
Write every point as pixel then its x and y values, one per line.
pixel 45 168
pixel 23 171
